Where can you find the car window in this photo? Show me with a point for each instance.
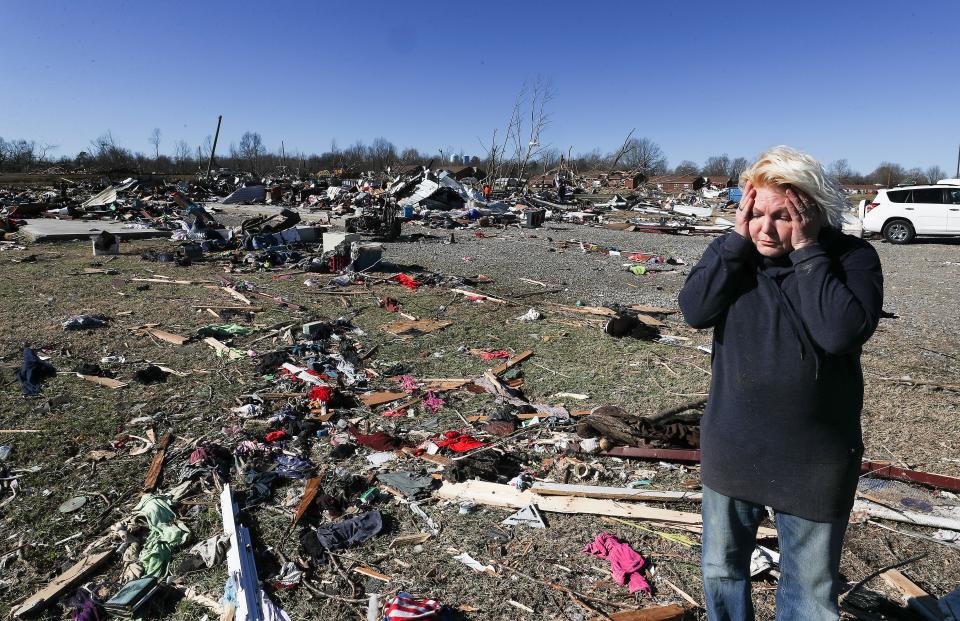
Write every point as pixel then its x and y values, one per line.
pixel 953 196
pixel 898 196
pixel 928 195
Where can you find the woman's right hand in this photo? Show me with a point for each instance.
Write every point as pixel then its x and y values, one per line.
pixel 745 211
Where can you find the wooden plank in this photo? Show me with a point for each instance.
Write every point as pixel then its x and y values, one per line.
pixel 477 294
pixel 916 598
pixel 372 573
pixel 497 495
pixel 109 382
pixel 150 482
pixel 650 321
pixel 408 328
pixel 372 399
pixel 615 493
pixel 658 613
pixel 882 512
pixel 221 307
pixel 63 583
pixel 658 310
pixel 222 349
pixel 153 473
pixel 409 540
pixel 309 493
pixel 237 295
pixel 169 337
pixel 887 471
pixel 687 455
pixel 165 281
pixel 586 310
pixel 512 362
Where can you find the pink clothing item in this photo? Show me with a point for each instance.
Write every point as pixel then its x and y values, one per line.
pixel 625 563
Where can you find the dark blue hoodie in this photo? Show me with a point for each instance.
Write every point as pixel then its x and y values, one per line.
pixel 782 424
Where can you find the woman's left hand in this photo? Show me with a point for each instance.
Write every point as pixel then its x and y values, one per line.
pixel 805 217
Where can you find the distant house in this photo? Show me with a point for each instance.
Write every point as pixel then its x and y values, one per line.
pixel 616 180
pixel 674 184
pixel 623 180
pixel 541 182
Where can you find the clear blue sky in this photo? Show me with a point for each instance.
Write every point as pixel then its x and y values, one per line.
pixel 868 81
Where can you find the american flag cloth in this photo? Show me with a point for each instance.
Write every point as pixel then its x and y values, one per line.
pixel 403 606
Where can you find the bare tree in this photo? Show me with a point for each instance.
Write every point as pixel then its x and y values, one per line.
pixel 717 166
pixel 840 170
pixel 888 174
pixel 382 153
pixel 251 150
pixel 181 155
pixel 108 154
pixel 155 141
pixel 625 148
pixel 738 166
pixel 644 155
pixel 524 132
pixel 915 175
pixel 934 174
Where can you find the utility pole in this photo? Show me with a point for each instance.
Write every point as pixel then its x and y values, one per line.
pixel 213 150
pixel 958 163
pixel 283 156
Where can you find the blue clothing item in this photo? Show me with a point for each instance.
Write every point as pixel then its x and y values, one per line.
pixel 33 371
pixel 782 425
pixel 809 581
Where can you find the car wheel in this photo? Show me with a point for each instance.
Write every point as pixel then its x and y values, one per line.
pixel 898 232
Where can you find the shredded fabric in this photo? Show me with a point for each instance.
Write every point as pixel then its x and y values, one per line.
pixel 290 467
pixel 340 535
pixel 273 436
pixel 166 533
pixel 432 402
pixel 494 355
pixel 33 372
pixel 625 563
pixel 458 442
pixel 408 384
pixel 321 393
pixel 84 608
pixel 406 281
pixel 404 606
pixel 378 441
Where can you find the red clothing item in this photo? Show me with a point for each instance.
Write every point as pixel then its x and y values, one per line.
pixel 625 563
pixel 273 436
pixel 458 442
pixel 321 393
pixel 406 281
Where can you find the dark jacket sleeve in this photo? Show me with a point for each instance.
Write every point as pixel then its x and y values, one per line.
pixel 840 301
pixel 716 281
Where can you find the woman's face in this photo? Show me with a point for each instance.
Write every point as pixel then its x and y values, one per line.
pixel 771 228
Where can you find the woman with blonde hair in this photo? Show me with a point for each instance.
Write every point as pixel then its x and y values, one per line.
pixel 791 300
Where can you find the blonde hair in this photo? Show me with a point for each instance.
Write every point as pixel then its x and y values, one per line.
pixel 782 166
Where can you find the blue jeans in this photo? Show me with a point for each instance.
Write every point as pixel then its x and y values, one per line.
pixel 809 562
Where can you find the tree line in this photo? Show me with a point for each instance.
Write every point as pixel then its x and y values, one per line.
pixel 105 155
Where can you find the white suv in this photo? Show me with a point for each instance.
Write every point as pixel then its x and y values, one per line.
pixel 903 213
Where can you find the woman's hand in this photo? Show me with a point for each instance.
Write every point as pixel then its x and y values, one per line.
pixel 805 217
pixel 745 211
